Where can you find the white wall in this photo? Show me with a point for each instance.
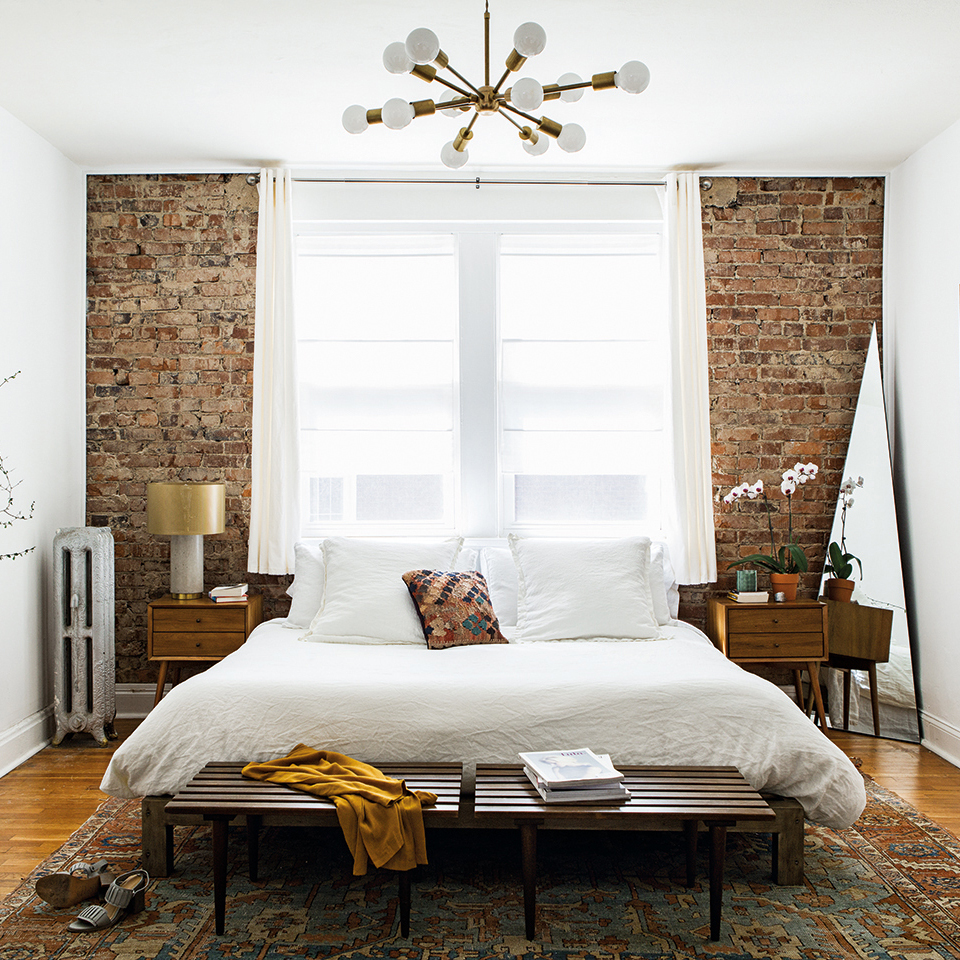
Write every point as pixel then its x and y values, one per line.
pixel 42 244
pixel 922 326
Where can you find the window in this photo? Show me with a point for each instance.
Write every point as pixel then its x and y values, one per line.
pixel 481 376
pixel 583 356
pixel 376 319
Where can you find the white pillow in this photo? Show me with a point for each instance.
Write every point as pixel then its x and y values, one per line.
pixel 500 571
pixel 468 559
pixel 582 589
pixel 307 586
pixel 658 582
pixel 365 599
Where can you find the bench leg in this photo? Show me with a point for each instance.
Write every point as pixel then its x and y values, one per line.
pixel 718 849
pixel 221 827
pixel 690 833
pixel 788 845
pixel 528 865
pixel 404 903
pixel 253 846
pixel 156 838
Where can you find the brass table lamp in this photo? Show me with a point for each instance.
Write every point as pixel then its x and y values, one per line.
pixel 185 512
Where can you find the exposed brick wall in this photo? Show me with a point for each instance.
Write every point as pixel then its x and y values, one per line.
pixel 171 269
pixel 793 286
pixel 793 270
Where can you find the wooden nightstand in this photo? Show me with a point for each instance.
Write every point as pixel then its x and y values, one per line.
pixel 182 631
pixel 792 634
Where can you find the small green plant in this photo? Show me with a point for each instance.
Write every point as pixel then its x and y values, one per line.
pixel 9 514
pixel 840 563
pixel 789 558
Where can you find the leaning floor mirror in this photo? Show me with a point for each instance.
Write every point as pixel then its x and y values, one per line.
pixel 870 532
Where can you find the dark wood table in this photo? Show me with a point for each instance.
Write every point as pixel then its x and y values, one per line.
pixel 661 798
pixel 219 794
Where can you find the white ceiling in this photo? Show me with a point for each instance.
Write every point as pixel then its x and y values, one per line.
pixel 748 86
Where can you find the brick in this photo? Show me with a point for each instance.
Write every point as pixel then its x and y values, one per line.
pixel 786 359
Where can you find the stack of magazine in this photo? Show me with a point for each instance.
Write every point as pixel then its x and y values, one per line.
pixel 574 776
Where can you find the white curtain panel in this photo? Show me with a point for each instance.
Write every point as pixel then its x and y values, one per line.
pixel 275 496
pixel 693 545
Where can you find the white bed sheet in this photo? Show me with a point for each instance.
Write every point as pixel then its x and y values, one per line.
pixel 672 701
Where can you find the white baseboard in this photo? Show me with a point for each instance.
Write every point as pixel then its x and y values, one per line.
pixel 135 700
pixel 24 739
pixel 941 737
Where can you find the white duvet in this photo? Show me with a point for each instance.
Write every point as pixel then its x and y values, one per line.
pixel 672 701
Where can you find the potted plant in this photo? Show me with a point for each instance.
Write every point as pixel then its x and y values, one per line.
pixel 840 563
pixel 787 562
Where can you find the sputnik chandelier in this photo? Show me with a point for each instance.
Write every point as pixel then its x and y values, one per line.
pixel 421 55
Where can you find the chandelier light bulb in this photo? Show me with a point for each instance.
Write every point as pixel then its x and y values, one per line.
pixel 451 112
pixel 572 138
pixel 526 94
pixel 570 96
pixel 633 77
pixel 539 148
pixel 529 39
pixel 452 157
pixel 395 58
pixel 422 45
pixel 355 119
pixel 396 113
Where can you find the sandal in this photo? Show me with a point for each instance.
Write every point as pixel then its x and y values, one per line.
pixel 82 882
pixel 124 895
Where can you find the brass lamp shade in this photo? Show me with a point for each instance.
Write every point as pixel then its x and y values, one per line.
pixel 185 512
pixel 181 509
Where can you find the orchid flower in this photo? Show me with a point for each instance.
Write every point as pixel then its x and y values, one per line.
pixel 790 557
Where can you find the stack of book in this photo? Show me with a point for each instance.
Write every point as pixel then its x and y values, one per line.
pixel 749 596
pixel 574 776
pixel 229 593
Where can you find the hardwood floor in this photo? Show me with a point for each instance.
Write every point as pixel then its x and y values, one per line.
pixel 50 795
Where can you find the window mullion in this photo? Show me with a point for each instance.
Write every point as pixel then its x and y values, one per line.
pixel 479 363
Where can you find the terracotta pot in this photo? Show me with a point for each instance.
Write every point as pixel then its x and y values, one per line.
pixel 785 583
pixel 838 589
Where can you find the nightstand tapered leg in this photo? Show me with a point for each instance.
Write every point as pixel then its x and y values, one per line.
pixel 814 669
pixel 161 680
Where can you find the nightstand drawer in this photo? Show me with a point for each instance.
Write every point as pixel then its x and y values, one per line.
pixel 776 620
pixel 185 646
pixel 795 646
pixel 197 619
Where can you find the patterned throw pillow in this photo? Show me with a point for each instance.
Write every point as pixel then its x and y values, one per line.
pixel 454 608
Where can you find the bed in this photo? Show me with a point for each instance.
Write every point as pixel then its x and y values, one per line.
pixel 594 656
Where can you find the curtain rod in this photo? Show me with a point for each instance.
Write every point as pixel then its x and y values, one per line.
pixel 254 178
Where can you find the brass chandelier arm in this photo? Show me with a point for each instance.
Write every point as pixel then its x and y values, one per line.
pixel 506 73
pixel 510 119
pixel 462 79
pixel 456 89
pixel 457 104
pixel 553 90
pixel 526 116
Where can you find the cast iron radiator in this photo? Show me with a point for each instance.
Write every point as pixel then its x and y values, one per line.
pixel 84 663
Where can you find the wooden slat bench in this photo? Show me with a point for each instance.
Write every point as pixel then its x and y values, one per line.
pixel 661 798
pixel 219 793
pixel 159 817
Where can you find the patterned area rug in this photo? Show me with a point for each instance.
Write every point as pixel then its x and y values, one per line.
pixel 888 888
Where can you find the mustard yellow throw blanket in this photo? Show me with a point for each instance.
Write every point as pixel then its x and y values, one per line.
pixel 382 821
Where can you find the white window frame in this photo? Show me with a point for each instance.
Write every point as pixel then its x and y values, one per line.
pixel 478 507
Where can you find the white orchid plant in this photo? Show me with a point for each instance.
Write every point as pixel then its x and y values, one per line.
pixel 790 557
pixel 839 563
